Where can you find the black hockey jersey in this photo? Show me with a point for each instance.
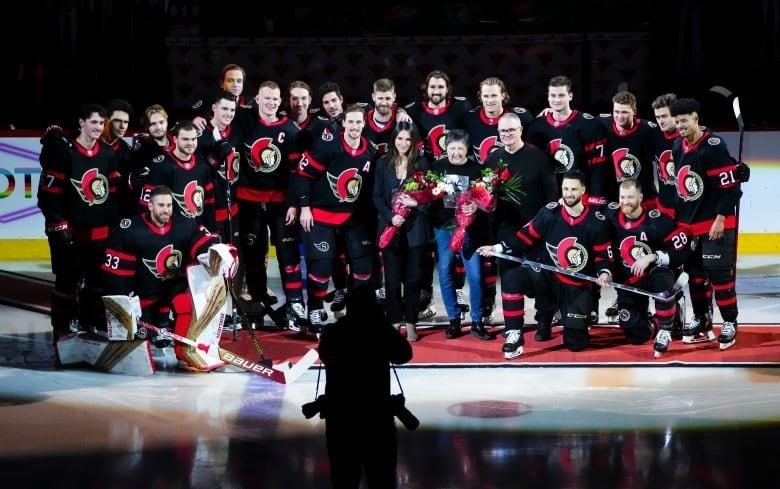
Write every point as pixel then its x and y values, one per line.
pixel 705 181
pixel 270 153
pixel 78 191
pixel 630 154
pixel 332 177
pixel 664 164
pixel 433 123
pixel 377 133
pixel 578 244
pixel 190 181
pixel 144 258
pixel 576 143
pixel 650 232
pixel 224 170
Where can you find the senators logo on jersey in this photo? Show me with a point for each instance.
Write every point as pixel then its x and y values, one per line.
pixel 690 185
pixel 229 171
pixel 562 154
pixel 485 148
pixel 166 264
pixel 569 254
pixel 632 250
pixel 626 165
pixel 666 167
pixel 92 188
pixel 191 201
pixel 436 137
pixel 264 155
pixel 346 185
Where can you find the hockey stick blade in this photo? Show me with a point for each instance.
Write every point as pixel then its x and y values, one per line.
pixel 738 113
pixel 720 90
pixel 165 333
pixel 667 296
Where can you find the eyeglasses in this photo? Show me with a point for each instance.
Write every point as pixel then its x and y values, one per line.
pixel 511 130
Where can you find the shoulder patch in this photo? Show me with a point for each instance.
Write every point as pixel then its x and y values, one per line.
pixel 713 141
pixel 158 158
pixel 460 98
pixel 585 115
pixel 654 213
pixel 327 135
pixel 604 116
pixel 519 110
pixel 600 216
pixel 198 104
pixel 552 205
pixel 324 119
pixel 124 223
pixel 652 124
pixel 614 205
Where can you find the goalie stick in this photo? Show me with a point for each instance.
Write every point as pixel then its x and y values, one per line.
pixel 666 296
pixel 288 374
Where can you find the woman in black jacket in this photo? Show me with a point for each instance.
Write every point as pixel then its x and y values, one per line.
pixel 403 256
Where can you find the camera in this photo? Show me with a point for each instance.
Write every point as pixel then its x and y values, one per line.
pixel 409 420
pixel 317 406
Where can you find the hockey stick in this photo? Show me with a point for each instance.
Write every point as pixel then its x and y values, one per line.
pixel 666 296
pixel 282 374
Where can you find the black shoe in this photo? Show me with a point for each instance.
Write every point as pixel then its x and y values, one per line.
pixel 478 330
pixel 543 332
pixel 453 330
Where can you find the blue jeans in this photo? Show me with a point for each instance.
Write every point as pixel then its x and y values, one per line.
pixel 473 276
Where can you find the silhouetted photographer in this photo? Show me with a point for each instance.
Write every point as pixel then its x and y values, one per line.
pixel 357 406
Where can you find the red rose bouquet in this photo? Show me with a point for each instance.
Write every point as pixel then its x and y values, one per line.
pixel 495 183
pixel 422 186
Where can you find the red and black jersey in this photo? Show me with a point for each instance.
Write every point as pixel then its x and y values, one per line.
pixel 630 154
pixel 379 133
pixel 143 258
pixel 190 181
pixel 576 143
pixel 269 154
pixel 124 165
pixel 705 181
pixel 332 179
pixel 634 238
pixel 434 122
pixel 537 181
pixel 78 191
pixel 664 164
pixel 483 130
pixel 224 170
pixel 146 153
pixel 320 129
pixel 578 244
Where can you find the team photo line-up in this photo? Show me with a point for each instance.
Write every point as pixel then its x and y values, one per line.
pixel 554 205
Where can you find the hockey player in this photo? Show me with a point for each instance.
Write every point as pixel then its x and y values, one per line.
pixel 148 149
pixel 708 193
pixel 328 186
pixel 118 114
pixel 187 174
pixel 269 154
pixel 147 257
pixel 576 238
pixel 650 249
pixel 664 136
pixel 217 144
pixel 77 196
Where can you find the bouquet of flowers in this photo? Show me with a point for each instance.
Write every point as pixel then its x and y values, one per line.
pixel 422 186
pixel 495 183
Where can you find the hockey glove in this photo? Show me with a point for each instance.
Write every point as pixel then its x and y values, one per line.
pixel 224 149
pixel 60 236
pixel 742 172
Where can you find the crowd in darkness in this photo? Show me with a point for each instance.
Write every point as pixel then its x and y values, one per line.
pixel 80 50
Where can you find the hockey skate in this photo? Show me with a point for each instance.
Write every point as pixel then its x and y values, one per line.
pixel 339 304
pixel 662 341
pixel 679 318
pixel 427 309
pixel 698 330
pixel 317 319
pixel 513 346
pixel 728 335
pixel 296 316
